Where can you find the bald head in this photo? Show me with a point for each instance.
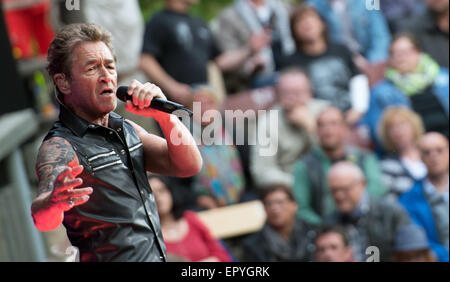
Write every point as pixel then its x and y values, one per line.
pixel 346 169
pixel 434 147
pixel 347 183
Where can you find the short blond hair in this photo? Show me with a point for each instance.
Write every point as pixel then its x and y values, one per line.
pixel 393 112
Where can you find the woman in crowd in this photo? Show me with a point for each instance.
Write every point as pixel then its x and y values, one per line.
pixel 330 66
pixel 400 130
pixel 413 79
pixel 185 236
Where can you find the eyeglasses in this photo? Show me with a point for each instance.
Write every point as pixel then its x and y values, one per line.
pixel 279 202
pixel 344 189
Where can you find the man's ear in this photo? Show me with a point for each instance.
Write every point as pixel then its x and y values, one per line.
pixel 62 83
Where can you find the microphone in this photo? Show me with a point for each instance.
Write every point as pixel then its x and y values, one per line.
pixel 157 103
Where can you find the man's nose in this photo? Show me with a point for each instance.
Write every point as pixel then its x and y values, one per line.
pixel 105 75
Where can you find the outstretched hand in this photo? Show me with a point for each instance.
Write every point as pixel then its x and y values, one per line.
pixel 64 196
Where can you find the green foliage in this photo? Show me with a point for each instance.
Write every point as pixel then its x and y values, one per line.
pixel 206 9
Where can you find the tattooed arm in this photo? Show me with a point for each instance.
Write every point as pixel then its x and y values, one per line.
pixel 57 167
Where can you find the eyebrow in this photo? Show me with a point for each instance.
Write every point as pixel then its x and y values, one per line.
pixel 93 61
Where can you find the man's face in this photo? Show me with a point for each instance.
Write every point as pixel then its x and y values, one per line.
pixel 331 129
pixel 93 80
pixel 438 6
pixel 280 209
pixel 434 151
pixel 294 90
pixel 330 247
pixel 347 191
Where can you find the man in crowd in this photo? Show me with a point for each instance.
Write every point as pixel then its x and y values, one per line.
pixel 368 221
pixel 310 186
pixel 177 48
pixel 297 111
pixel 284 237
pixel 332 245
pixel 427 201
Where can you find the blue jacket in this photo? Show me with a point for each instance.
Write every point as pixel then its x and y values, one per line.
pixel 420 212
pixel 370 28
pixel 385 94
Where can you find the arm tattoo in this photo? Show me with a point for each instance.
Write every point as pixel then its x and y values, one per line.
pixel 54 156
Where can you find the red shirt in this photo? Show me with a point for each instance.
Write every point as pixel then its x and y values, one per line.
pixel 198 243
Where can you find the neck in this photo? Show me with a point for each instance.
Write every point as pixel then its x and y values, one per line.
pixel 440 181
pixel 335 153
pixel 285 231
pixel 409 152
pixel 177 6
pixel 314 47
pixel 167 219
pixel 98 119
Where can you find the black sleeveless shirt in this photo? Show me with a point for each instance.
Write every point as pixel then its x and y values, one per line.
pixel 120 222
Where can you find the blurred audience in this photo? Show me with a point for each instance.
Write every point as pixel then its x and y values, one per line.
pixel 401 130
pixel 185 236
pixel 368 221
pixel 297 111
pixel 398 10
pixel 266 23
pixel 29 25
pixel 414 80
pixel 177 49
pixel 364 31
pixel 310 186
pixel 284 237
pixel 411 245
pixel 221 181
pixel 332 245
pixel 333 74
pixel 427 202
pixel 431 29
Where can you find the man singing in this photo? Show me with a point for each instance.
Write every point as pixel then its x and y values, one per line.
pixel 92 164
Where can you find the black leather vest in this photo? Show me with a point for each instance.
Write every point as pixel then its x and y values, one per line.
pixel 120 222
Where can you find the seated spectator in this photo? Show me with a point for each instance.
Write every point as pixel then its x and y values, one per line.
pixel 413 80
pixel 332 245
pixel 221 181
pixel 364 31
pixel 368 221
pixel 411 245
pixel 431 29
pixel 185 236
pixel 310 186
pixel 264 21
pixel 401 130
pixel 177 48
pixel 395 11
pixel 427 201
pixel 334 76
pixel 297 111
pixel 284 237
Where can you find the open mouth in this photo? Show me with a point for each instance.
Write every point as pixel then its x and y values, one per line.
pixel 106 91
